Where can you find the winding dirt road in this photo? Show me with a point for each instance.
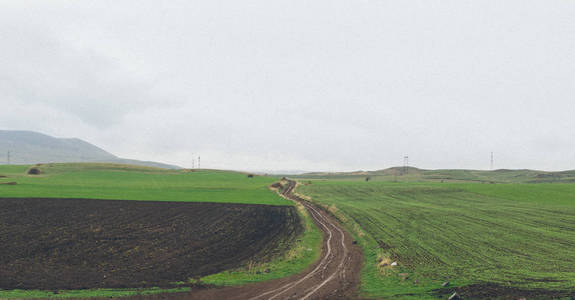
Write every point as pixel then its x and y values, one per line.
pixel 334 276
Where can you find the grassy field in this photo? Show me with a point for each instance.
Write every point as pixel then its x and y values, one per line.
pixel 411 174
pixel 122 182
pixel 508 240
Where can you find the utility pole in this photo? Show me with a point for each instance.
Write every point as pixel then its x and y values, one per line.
pixel 491 160
pixel 405 164
pixel 8 157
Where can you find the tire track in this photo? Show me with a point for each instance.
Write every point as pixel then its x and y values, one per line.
pixel 325 259
pixel 332 261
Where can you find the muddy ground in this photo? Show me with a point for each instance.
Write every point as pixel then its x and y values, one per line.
pixel 82 243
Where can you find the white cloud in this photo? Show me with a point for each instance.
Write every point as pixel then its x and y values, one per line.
pixel 297 84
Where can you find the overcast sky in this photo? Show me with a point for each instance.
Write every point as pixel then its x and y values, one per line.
pixel 297 85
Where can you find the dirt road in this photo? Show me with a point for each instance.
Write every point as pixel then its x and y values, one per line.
pixel 334 276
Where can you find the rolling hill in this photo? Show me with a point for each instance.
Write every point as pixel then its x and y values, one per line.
pixel 29 147
pixel 449 175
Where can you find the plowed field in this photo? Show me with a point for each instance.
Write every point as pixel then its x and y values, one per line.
pixel 84 243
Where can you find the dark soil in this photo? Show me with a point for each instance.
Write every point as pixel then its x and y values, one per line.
pixel 82 243
pixel 494 291
pixel 34 171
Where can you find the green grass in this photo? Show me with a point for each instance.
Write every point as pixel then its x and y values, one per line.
pixel 512 235
pixel 411 174
pixel 105 293
pixel 306 251
pixel 123 182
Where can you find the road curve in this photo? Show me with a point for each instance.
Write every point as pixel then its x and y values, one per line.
pixel 337 273
pixel 334 276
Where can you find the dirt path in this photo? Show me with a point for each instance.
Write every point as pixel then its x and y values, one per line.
pixel 334 276
pixel 337 273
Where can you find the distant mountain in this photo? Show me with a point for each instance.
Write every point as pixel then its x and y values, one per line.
pixel 29 147
pixel 278 172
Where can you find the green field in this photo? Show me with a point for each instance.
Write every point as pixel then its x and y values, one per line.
pixel 510 239
pixel 123 182
pixel 411 174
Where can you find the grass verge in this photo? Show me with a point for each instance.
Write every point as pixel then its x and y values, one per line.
pixel 302 254
pixel 105 293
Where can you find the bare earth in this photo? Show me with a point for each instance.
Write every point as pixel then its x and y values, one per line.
pixel 334 276
pixel 69 244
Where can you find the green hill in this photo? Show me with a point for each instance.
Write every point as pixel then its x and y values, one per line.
pixel 450 175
